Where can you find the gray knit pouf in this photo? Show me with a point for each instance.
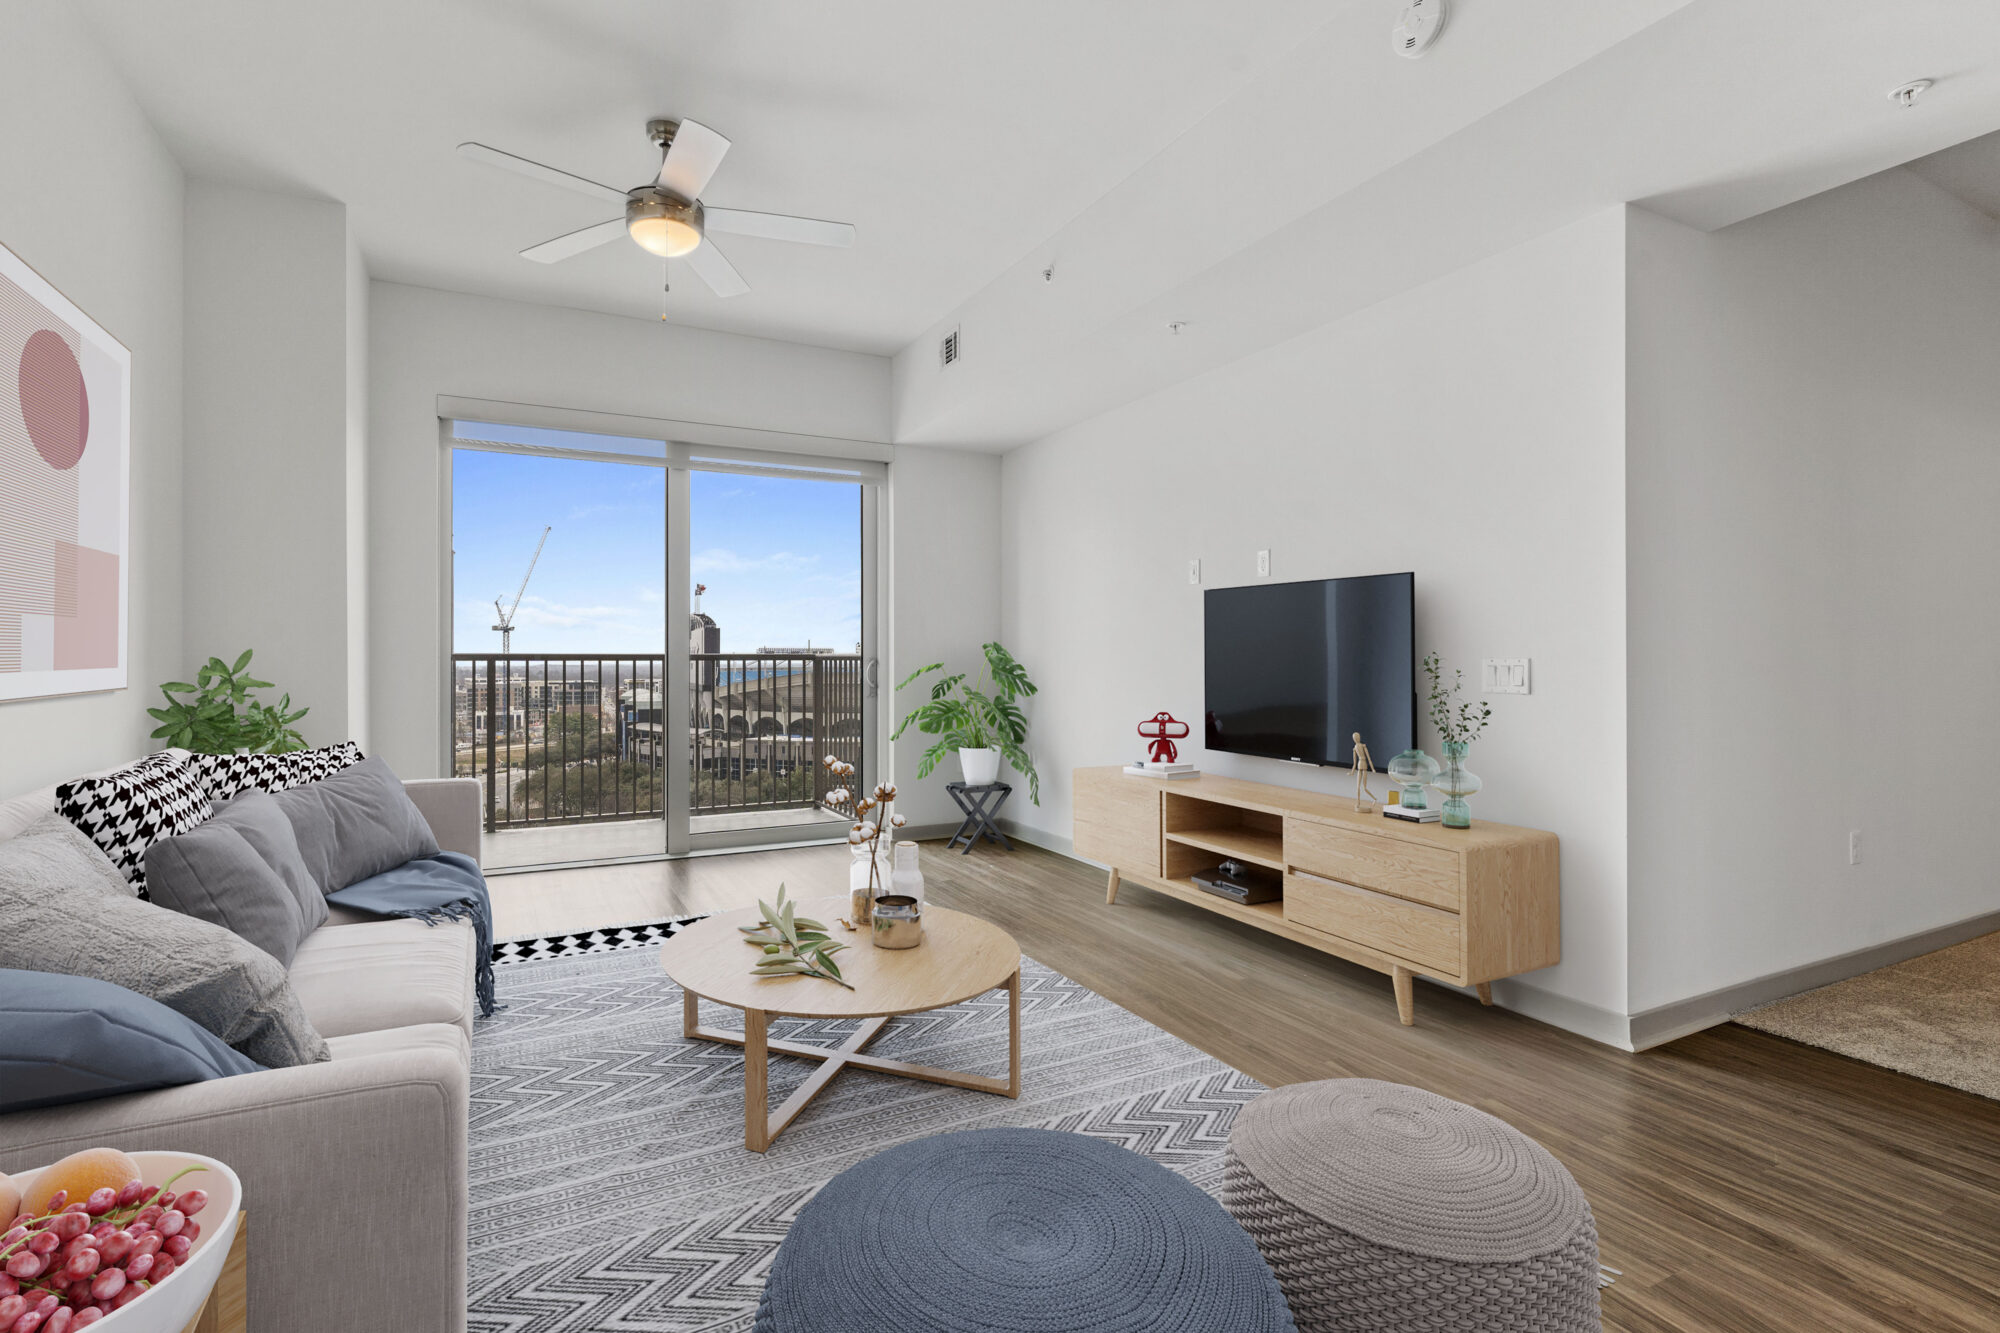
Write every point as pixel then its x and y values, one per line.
pixel 1386 1207
pixel 1016 1231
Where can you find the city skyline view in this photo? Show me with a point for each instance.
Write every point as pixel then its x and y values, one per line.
pixel 781 557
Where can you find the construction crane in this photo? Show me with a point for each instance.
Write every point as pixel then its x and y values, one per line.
pixel 506 625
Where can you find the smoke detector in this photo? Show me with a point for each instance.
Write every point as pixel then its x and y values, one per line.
pixel 1418 27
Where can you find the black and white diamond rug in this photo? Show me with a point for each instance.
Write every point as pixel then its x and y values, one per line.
pixel 609 939
pixel 610 1187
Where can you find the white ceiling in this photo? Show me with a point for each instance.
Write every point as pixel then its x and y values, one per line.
pixel 954 136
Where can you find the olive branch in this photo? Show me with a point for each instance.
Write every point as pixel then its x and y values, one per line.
pixel 793 945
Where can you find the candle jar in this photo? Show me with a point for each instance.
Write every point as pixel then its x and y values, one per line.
pixel 898 922
pixel 867 875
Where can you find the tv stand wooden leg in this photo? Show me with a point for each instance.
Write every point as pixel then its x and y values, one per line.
pixel 1406 995
pixel 1485 989
pixel 1111 887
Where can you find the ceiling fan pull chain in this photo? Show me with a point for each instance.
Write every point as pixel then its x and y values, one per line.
pixel 666 287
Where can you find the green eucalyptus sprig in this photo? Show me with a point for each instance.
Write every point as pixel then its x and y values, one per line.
pixel 1463 725
pixel 793 945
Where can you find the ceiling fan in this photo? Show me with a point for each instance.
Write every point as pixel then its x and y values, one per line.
pixel 666 216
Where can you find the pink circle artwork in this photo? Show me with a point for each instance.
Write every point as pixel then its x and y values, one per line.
pixel 54 402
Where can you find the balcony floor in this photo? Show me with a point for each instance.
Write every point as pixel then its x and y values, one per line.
pixel 620 840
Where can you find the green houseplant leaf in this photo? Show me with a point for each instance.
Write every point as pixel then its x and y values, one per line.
pixel 217 715
pixel 983 715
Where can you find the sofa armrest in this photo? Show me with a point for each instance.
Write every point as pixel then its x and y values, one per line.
pixel 354 1174
pixel 451 806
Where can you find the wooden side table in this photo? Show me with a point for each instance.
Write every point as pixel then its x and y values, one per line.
pixel 961 957
pixel 227 1309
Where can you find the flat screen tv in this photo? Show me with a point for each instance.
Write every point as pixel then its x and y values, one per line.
pixel 1293 670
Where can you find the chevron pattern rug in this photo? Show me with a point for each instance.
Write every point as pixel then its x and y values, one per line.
pixel 610 1187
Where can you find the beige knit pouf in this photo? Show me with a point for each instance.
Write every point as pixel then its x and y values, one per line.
pixel 1385 1207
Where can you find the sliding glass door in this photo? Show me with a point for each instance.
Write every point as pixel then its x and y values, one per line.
pixel 654 646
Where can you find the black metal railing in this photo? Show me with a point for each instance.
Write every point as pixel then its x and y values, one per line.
pixel 574 739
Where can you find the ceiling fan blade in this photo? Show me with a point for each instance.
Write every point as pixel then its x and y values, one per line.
pixel 493 157
pixel 691 159
pixel 779 227
pixel 576 242
pixel 716 270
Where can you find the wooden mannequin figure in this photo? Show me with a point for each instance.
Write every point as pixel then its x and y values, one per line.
pixel 1364 769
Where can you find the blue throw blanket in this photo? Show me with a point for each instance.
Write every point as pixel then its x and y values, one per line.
pixel 445 887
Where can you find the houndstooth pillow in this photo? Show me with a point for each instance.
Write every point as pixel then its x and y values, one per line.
pixel 126 811
pixel 228 774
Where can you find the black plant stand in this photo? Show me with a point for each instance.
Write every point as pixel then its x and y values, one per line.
pixel 978 815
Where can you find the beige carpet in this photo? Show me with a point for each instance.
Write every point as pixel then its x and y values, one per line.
pixel 1937 1016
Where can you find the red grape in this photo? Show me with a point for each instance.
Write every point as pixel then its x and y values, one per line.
pixel 13 1234
pixel 163 1267
pixel 140 1266
pixel 193 1202
pixel 82 1264
pixel 192 1230
pixel 101 1201
pixel 56 1201
pixel 171 1222
pixel 149 1214
pixel 21 1264
pixel 42 1242
pixel 61 1321
pixel 28 1322
pixel 166 1199
pixel 133 1291
pixel 87 1316
pixel 8 1286
pixel 115 1247
pixel 11 1306
pixel 68 1226
pixel 131 1194
pixel 149 1243
pixel 178 1246
pixel 108 1284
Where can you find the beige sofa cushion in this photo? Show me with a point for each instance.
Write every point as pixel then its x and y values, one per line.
pixel 386 974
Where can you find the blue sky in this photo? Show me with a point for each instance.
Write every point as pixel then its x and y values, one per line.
pixel 781 557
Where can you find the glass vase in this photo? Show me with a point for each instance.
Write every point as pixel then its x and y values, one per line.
pixel 1455 782
pixel 868 872
pixel 1410 770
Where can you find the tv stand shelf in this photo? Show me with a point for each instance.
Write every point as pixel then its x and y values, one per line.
pixel 1466 906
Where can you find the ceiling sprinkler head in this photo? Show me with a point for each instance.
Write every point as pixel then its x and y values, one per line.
pixel 1175 326
pixel 1907 95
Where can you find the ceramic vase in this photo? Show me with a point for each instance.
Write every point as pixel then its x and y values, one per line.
pixel 1455 782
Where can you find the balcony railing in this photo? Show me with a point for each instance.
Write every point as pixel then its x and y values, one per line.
pixel 579 739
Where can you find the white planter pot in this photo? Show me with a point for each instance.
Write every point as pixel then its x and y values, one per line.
pixel 979 766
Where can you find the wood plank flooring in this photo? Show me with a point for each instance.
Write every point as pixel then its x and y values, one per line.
pixel 1741 1181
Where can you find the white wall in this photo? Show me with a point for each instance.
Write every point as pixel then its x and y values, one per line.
pixel 267 465
pixel 944 549
pixel 424 343
pixel 77 157
pixel 1815 473
pixel 1471 430
pixel 356 470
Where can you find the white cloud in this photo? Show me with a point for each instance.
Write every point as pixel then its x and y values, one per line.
pixel 718 560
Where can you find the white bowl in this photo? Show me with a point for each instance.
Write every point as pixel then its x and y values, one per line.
pixel 170 1306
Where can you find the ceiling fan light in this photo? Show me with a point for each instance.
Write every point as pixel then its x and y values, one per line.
pixel 668 237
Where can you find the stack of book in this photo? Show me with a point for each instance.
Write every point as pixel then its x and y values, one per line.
pixel 1428 815
pixel 1147 768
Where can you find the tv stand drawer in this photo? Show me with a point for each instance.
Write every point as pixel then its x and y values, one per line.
pixel 1426 936
pixel 1427 875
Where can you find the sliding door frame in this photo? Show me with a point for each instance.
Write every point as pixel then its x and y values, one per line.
pixel 686 448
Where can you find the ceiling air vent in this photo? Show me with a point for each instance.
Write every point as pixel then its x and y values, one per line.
pixel 948 348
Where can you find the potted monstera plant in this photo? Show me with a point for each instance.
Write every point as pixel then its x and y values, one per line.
pixel 983 721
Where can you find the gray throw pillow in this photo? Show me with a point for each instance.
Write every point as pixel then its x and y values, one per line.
pixel 66 1039
pixel 63 908
pixel 241 870
pixel 357 823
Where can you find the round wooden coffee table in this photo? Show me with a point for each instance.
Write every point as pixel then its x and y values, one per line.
pixel 961 956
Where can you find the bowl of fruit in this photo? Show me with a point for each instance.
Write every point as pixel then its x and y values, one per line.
pixel 119 1242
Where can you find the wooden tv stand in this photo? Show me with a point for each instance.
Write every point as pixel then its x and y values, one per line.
pixel 1467 906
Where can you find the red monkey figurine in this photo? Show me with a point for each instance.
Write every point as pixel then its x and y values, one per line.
pixel 1163 736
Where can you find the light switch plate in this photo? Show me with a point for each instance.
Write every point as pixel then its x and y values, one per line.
pixel 1194 571
pixel 1263 564
pixel 1504 675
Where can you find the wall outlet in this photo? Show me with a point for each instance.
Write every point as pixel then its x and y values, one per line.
pixel 1263 564
pixel 1194 571
pixel 1854 846
pixel 1504 675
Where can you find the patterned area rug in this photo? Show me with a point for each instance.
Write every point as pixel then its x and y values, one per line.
pixel 610 1187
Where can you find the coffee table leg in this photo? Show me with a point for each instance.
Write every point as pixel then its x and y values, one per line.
pixel 690 1014
pixel 756 1082
pixel 1014 1034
